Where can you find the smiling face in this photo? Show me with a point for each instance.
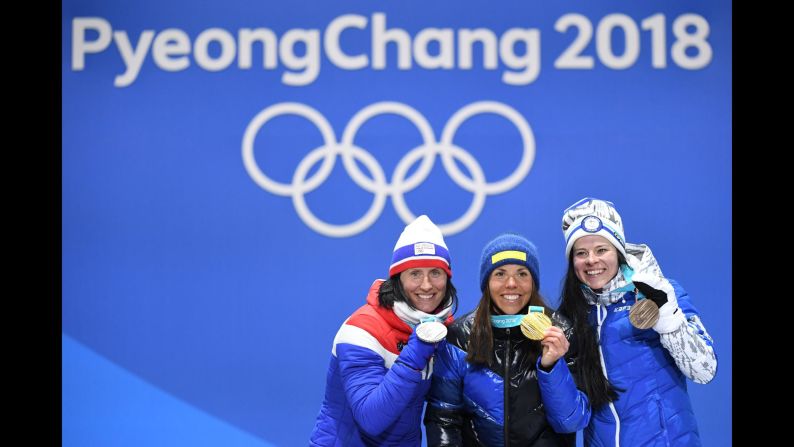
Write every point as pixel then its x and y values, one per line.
pixel 595 261
pixel 511 287
pixel 424 287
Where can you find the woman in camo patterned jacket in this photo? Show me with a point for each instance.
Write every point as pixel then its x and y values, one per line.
pixel 635 379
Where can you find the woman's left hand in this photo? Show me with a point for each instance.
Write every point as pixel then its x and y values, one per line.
pixel 555 345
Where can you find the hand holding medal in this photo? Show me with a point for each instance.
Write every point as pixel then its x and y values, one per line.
pixel 659 308
pixel 644 314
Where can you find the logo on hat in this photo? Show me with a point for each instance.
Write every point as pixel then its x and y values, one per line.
pixel 591 224
pixel 424 248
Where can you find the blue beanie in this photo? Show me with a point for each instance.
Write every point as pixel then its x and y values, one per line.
pixel 509 248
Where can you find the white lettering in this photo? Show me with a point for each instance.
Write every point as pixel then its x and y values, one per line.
pixel 466 40
pixel 203 58
pixel 309 63
pixel 445 58
pixel 381 36
pixel 331 41
pixel 247 39
pixel 170 50
pixel 300 51
pixel 530 60
pixel 133 59
pixel 79 45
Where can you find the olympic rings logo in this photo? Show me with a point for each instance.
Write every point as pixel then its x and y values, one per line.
pixel 399 184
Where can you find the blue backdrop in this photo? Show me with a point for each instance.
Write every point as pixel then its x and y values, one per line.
pixel 236 173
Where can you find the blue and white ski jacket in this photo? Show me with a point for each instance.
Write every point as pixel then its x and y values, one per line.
pixel 369 399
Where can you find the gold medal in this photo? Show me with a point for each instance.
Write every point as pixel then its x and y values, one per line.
pixel 535 323
pixel 644 314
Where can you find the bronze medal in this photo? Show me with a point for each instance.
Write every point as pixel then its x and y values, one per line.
pixel 644 314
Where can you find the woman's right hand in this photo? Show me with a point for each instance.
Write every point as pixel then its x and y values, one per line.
pixel 555 345
pixel 416 353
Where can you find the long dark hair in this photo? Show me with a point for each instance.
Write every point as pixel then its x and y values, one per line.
pixel 590 376
pixel 391 291
pixel 480 349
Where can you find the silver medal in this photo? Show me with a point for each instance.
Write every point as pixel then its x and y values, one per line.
pixel 431 331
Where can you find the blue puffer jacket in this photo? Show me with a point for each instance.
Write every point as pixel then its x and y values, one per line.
pixel 371 400
pixel 654 409
pixel 503 405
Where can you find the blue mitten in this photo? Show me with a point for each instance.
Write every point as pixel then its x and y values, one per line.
pixel 660 291
pixel 416 353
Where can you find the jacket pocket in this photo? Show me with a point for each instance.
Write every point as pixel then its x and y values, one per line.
pixel 660 408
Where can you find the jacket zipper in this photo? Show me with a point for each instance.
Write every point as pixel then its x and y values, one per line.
pixel 507 388
pixel 604 369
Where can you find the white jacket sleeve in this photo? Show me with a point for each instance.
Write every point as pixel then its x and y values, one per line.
pixel 691 348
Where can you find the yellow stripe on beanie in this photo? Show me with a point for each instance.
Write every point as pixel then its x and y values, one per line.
pixel 509 254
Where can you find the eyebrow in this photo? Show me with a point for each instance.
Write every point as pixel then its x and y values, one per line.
pixel 595 247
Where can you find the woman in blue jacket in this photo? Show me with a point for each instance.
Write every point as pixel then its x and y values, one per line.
pixel 379 372
pixel 632 365
pixel 485 389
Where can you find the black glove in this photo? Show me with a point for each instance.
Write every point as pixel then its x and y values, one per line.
pixel 655 295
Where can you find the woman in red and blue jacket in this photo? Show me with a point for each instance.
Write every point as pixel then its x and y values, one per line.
pixel 380 370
